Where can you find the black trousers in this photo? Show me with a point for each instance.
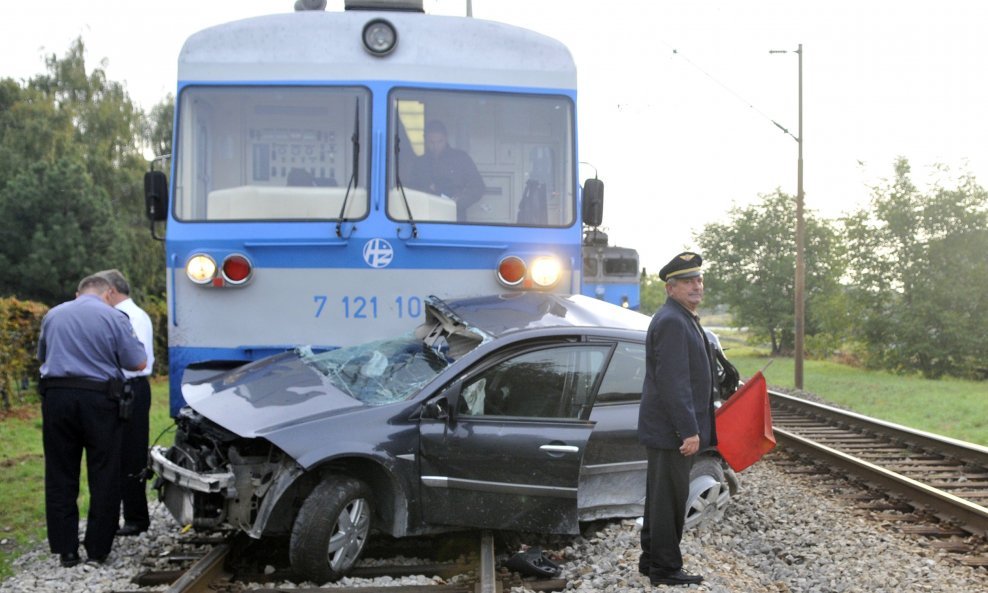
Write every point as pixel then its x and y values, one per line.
pixel 667 488
pixel 73 421
pixel 134 455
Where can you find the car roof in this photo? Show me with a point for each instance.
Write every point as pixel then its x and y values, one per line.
pixel 498 315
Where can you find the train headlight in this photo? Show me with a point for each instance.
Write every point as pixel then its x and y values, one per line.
pixel 380 37
pixel 200 268
pixel 546 271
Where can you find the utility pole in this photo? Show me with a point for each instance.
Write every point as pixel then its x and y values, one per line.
pixel 800 280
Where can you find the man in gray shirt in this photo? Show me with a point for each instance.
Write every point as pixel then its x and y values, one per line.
pixel 84 346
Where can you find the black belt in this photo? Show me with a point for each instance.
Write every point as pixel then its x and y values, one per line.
pixel 137 379
pixel 74 383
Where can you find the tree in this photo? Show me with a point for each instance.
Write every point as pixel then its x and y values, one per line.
pixel 918 276
pixel 653 293
pixel 71 182
pixel 56 227
pixel 749 265
pixel 157 127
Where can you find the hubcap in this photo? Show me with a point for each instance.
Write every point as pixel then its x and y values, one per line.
pixel 349 535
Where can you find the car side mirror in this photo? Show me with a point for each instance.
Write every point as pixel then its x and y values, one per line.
pixel 156 195
pixel 444 407
pixel 437 409
pixel 593 202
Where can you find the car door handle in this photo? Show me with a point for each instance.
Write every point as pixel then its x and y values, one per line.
pixel 560 448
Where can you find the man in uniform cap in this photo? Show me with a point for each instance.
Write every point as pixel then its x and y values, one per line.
pixel 676 417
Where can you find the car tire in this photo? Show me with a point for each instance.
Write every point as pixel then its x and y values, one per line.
pixel 331 529
pixel 710 492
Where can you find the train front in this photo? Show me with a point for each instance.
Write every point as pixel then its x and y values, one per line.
pixel 308 205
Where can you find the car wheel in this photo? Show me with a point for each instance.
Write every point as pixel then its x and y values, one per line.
pixel 709 492
pixel 331 529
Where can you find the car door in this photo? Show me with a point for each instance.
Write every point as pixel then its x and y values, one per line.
pixel 612 483
pixel 509 454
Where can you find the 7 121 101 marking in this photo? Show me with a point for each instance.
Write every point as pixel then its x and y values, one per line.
pixel 367 307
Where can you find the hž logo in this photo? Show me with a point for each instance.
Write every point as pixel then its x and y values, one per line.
pixel 378 253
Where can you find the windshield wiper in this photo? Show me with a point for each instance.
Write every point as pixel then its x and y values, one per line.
pixel 355 169
pixel 401 188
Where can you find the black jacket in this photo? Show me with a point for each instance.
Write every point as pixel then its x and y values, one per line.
pixel 677 395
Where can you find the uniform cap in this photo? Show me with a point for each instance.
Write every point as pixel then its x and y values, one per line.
pixel 685 265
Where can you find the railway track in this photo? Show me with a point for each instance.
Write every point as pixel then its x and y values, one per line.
pixel 943 476
pixel 214 571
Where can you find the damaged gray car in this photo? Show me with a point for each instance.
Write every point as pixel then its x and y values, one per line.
pixel 511 412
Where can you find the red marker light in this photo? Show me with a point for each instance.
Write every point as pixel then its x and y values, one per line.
pixel 236 269
pixel 511 271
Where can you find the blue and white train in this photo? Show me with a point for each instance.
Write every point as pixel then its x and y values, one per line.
pixel 610 273
pixel 287 219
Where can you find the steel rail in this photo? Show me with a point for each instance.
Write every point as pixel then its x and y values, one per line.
pixel 203 573
pixel 487 575
pixel 972 516
pixel 968 452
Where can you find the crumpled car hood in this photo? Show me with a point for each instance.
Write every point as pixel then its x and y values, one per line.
pixel 264 396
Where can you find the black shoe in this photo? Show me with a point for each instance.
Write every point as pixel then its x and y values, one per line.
pixel 69 559
pixel 131 529
pixel 680 577
pixel 97 559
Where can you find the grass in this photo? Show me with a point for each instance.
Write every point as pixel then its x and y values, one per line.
pixel 22 473
pixel 949 407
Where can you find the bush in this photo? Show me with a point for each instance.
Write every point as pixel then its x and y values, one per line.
pixel 157 310
pixel 20 324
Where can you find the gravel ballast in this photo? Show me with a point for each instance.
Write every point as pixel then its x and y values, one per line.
pixel 780 534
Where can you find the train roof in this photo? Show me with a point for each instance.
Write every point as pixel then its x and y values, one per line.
pixel 316 45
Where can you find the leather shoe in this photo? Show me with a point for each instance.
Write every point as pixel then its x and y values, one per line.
pixel 131 529
pixel 680 577
pixel 69 559
pixel 97 559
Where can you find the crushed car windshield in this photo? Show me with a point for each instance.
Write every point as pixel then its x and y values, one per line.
pixel 380 372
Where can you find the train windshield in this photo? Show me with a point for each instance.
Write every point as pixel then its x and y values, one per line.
pixel 261 153
pixel 481 158
pixel 620 266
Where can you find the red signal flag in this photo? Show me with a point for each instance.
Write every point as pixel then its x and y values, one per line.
pixel 744 424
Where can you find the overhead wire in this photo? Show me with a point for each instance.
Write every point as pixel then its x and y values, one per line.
pixel 731 91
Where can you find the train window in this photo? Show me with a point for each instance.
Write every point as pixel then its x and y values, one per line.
pixel 621 267
pixel 481 157
pixel 589 267
pixel 260 153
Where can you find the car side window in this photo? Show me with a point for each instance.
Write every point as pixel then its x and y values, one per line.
pixel 624 376
pixel 545 383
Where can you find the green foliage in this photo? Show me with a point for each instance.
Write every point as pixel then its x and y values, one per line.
pixel 71 182
pixel 749 264
pixel 653 293
pixel 20 324
pixel 56 227
pixel 949 407
pixel 157 127
pixel 157 310
pixel 919 282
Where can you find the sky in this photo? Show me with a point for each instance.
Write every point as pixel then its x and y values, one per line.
pixel 678 99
